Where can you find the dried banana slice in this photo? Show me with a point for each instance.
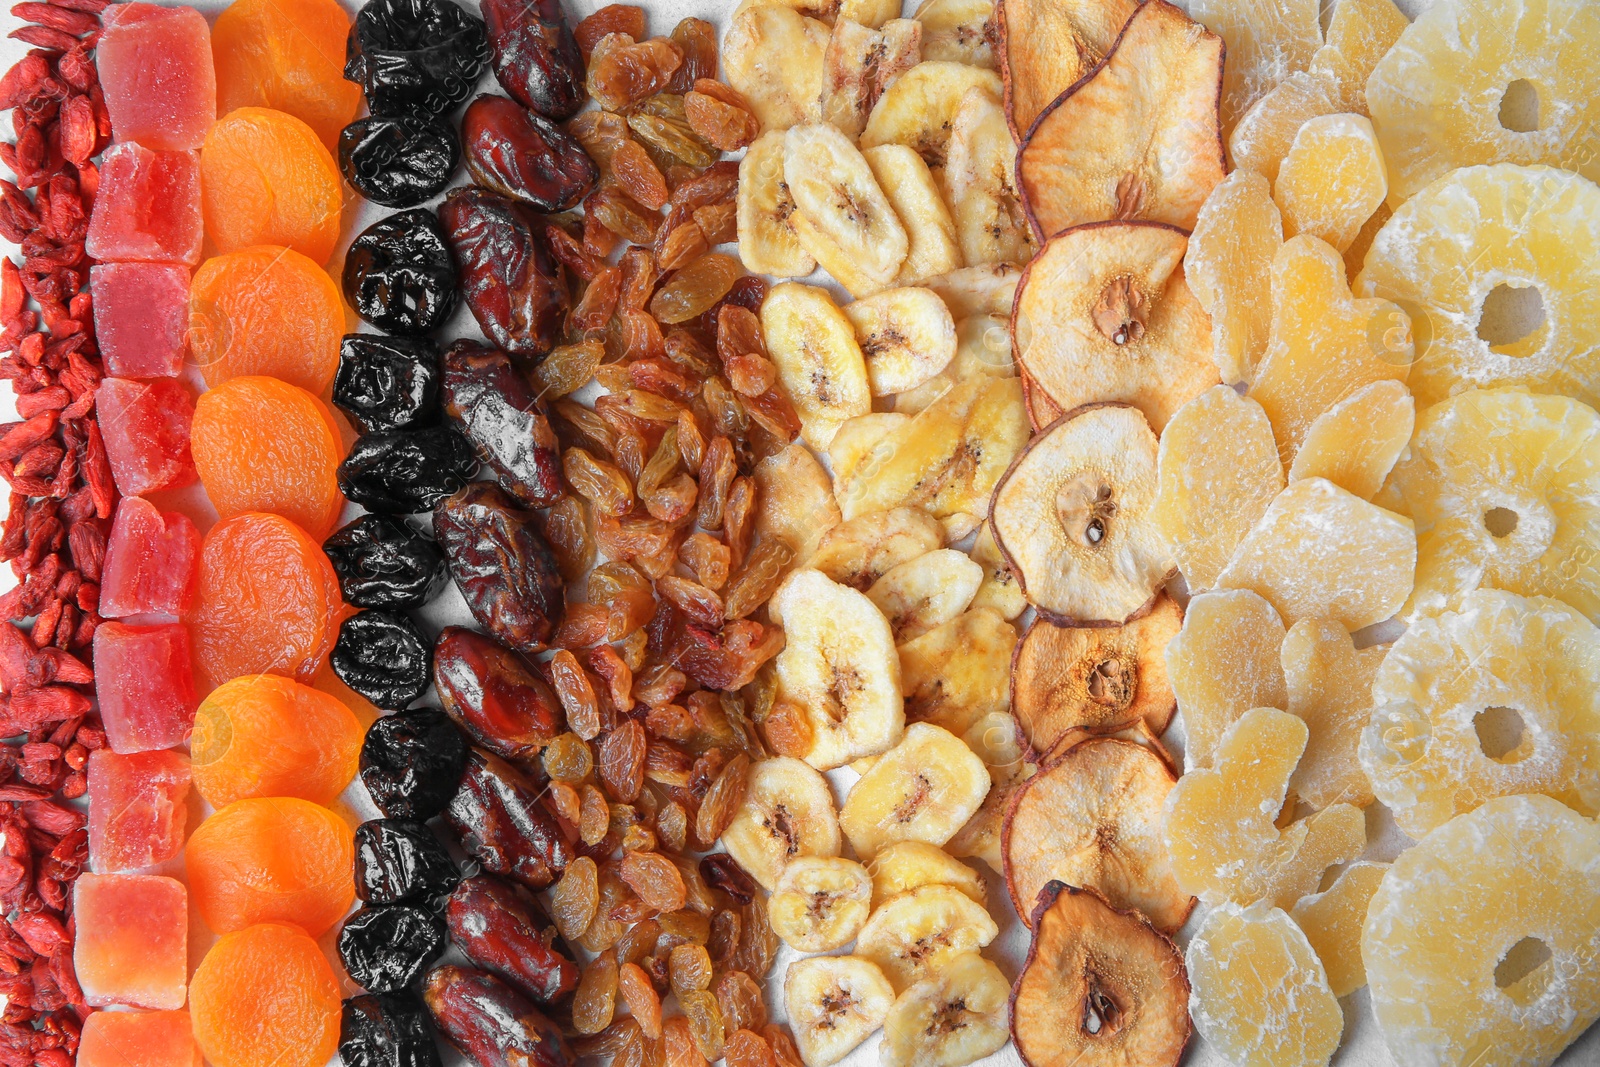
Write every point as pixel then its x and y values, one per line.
pixel 949 1019
pixel 906 335
pixel 905 865
pixel 923 594
pixel 773 55
pixel 860 64
pixel 955 674
pixel 842 217
pixel 787 813
pixel 919 109
pixel 819 362
pixel 767 242
pixel 834 1003
pixel 960 31
pixel 861 550
pixel 980 183
pixel 923 789
pixel 912 936
pixel 915 196
pixel 794 501
pixel 985 290
pixel 820 903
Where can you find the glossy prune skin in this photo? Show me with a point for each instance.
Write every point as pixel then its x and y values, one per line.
pixel 399 274
pixel 383 562
pixel 513 151
pixel 501 929
pixel 386 947
pixel 509 277
pixel 415 57
pixel 387 383
pixel 502 565
pixel 411 763
pixel 495 408
pixel 535 56
pixel 490 692
pixel 386 1030
pixel 384 656
pixel 497 815
pixel 398 859
pixel 399 161
pixel 403 471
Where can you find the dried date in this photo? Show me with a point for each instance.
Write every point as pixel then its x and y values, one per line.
pixel 501 564
pixel 491 1023
pixel 500 929
pixel 518 154
pixel 489 691
pixel 497 814
pixel 509 277
pixel 535 56
pixel 502 417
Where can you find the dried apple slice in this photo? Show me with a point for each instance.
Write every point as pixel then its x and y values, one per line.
pixel 1045 46
pixel 1100 678
pixel 1072 516
pixel 1137 139
pixel 1104 313
pixel 1100 986
pixel 1093 818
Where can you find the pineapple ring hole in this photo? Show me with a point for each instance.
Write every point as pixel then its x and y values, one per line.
pixel 1501 734
pixel 1509 314
pixel 1523 973
pixel 1519 107
pixel 1500 522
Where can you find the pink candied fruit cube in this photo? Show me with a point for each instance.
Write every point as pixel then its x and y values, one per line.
pixel 156 72
pixel 147 207
pixel 141 317
pixel 138 1039
pixel 137 815
pixel 145 426
pixel 144 684
pixel 133 940
pixel 152 561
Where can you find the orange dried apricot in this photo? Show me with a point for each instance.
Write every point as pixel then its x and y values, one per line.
pixel 271 859
pixel 265 995
pixel 267 178
pixel 288 55
pixel 267 736
pixel 265 310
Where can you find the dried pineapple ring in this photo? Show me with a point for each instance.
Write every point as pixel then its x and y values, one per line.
pixel 1458 916
pixel 1506 489
pixel 1501 696
pixel 1438 98
pixel 1445 252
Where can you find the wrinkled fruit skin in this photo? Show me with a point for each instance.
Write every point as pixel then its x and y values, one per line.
pixel 412 761
pixel 405 471
pixel 397 859
pixel 516 153
pixel 491 694
pixel 386 947
pixel 387 383
pixel 502 565
pixel 401 161
pixel 535 56
pixel 509 277
pixel 386 1030
pixel 499 413
pixel 384 656
pixel 501 823
pixel 500 930
pixel 493 1024
pixel 399 274
pixel 382 562
pixel 722 871
pixel 415 57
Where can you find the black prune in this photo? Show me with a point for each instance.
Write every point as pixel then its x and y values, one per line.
pixel 402 471
pixel 501 415
pixel 497 815
pixel 513 151
pixel 492 693
pixel 399 274
pixel 383 562
pixel 535 56
pixel 386 947
pixel 387 383
pixel 384 656
pixel 386 1030
pixel 509 277
pixel 502 565
pixel 400 161
pixel 398 859
pixel 499 927
pixel 411 763
pixel 491 1023
pixel 415 57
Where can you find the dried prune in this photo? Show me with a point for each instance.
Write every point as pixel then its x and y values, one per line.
pixel 386 947
pixel 502 565
pixel 411 763
pixel 403 471
pixel 399 161
pixel 399 859
pixel 399 274
pixel 383 562
pixel 387 383
pixel 497 814
pixel 491 1023
pixel 415 57
pixel 535 56
pixel 386 1030
pixel 515 152
pixel 499 928
pixel 510 280
pixel 502 417
pixel 491 694
pixel 384 656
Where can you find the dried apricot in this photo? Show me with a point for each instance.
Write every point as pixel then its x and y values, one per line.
pixel 271 859
pixel 265 310
pixel 266 736
pixel 288 55
pixel 266 178
pixel 265 994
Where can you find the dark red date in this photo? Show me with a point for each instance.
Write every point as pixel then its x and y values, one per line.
pixel 497 815
pixel 499 413
pixel 515 152
pixel 493 924
pixel 491 694
pixel 535 56
pixel 502 565
pixel 509 277
pixel 491 1023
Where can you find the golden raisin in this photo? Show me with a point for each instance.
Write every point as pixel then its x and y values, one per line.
pixel 575 897
pixel 641 998
pixel 596 997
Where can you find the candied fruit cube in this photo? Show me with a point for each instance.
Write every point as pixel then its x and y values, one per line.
pixel 156 71
pixel 147 207
pixel 138 1039
pixel 152 561
pixel 1355 443
pixel 136 808
pixel 1332 180
pixel 133 939
pixel 141 317
pixel 1360 33
pixel 1263 135
pixel 1330 686
pixel 1332 921
pixel 144 685
pixel 1224 661
pixel 145 426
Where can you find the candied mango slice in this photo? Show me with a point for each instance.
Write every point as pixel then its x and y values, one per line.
pixel 1264 134
pixel 1224 661
pixel 1219 471
pixel 1229 266
pixel 1333 919
pixel 1493 699
pixel 1266 43
pixel 1220 823
pixel 1355 443
pixel 1329 682
pixel 1332 179
pixel 1360 33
